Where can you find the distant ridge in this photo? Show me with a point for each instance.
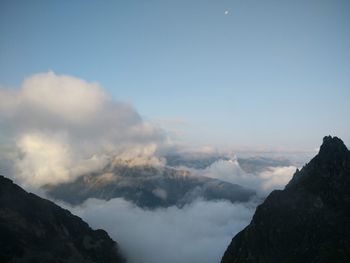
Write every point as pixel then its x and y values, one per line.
pixel 33 229
pixel 148 187
pixel 308 221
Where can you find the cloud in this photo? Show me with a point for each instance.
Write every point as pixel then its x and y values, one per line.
pixel 63 126
pixel 60 127
pixel 51 159
pixel 263 182
pixel 277 177
pixel 199 232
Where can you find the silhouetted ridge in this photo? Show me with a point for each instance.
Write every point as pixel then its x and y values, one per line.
pixel 332 147
pixel 325 172
pixel 33 229
pixel 309 221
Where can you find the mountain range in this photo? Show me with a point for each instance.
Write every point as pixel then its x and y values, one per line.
pixel 308 221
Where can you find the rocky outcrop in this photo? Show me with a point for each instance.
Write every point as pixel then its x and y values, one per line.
pixel 33 229
pixel 308 221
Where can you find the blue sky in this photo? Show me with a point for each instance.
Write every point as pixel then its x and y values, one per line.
pixel 268 75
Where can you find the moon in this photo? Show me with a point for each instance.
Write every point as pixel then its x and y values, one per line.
pixel 226 12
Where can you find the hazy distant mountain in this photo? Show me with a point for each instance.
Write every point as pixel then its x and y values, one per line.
pixel 309 221
pixel 33 229
pixel 255 165
pixel 148 186
pixel 196 161
pixel 252 165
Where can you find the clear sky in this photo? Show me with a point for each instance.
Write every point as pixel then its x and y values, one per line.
pixel 257 74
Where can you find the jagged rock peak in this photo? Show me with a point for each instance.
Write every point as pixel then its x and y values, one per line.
pixel 306 222
pixel 333 145
pixel 332 156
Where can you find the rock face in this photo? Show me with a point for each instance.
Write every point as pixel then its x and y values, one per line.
pixel 308 221
pixel 148 187
pixel 33 229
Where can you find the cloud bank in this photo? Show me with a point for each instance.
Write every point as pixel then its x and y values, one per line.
pixel 62 127
pixel 199 232
pixel 263 182
pixel 55 128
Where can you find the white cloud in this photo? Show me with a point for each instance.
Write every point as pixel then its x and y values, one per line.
pixel 43 156
pixel 161 193
pixel 64 126
pixel 227 170
pixel 199 232
pixel 277 177
pixel 47 159
pixel 72 99
pixel 264 182
pixel 68 99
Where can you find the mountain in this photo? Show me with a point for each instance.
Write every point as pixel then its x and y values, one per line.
pixel 194 160
pixel 255 165
pixel 148 187
pixel 33 229
pixel 308 221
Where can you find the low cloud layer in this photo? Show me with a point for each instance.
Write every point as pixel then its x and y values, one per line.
pixel 56 128
pixel 199 232
pixel 263 182
pixel 63 126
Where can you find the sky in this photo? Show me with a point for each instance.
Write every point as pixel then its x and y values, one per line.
pixel 252 74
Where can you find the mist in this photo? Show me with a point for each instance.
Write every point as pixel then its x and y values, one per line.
pixel 199 232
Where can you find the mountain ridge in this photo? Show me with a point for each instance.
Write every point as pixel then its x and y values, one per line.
pixel 148 187
pixel 308 221
pixel 34 229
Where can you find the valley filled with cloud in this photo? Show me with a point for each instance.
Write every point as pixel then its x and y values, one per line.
pixel 59 128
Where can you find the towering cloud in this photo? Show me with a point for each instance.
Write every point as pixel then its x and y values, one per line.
pixel 63 126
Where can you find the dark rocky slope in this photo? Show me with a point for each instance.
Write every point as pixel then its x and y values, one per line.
pixel 33 229
pixel 309 221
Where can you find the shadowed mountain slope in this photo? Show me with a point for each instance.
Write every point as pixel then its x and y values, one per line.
pixel 33 229
pixel 308 221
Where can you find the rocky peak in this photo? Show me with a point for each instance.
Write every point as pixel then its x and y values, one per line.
pixel 326 168
pixel 306 222
pixel 333 148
